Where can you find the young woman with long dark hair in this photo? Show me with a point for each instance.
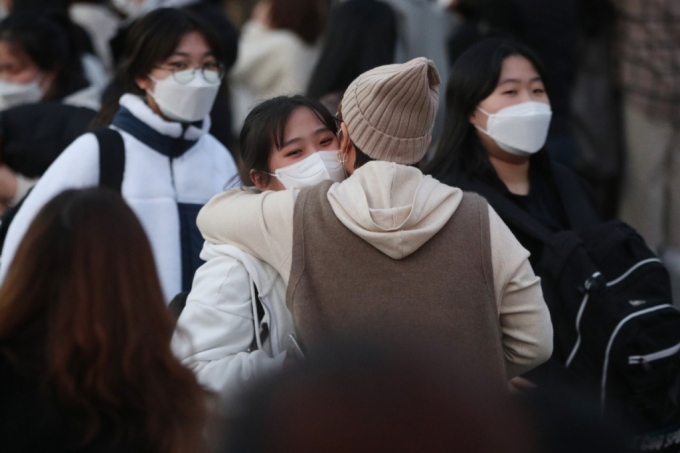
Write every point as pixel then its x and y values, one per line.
pixel 172 164
pixel 286 142
pixel 85 359
pixel 498 115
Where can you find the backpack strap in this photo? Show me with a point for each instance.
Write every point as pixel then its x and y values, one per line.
pixel 111 158
pixel 575 200
pixel 261 331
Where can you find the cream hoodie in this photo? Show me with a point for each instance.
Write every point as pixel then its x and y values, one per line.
pixel 396 209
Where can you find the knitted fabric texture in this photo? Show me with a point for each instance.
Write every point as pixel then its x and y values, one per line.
pixel 390 110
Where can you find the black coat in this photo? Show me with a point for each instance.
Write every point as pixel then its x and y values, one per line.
pixel 34 135
pixel 545 202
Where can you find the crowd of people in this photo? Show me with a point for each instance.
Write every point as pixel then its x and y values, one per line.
pixel 354 225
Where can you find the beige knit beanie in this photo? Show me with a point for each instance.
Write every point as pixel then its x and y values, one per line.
pixel 390 110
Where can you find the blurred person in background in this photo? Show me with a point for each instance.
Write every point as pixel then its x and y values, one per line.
pixel 278 51
pixel 38 62
pixel 236 327
pixel 362 398
pixel 101 23
pixel 361 35
pixel 423 29
pixel 650 77
pixel 80 41
pixel 356 254
pixel 172 165
pixel 39 66
pixel 85 359
pixel 597 106
pixel 32 137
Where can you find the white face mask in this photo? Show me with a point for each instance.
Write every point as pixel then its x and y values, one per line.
pixel 310 171
pixel 15 94
pixel 185 103
pixel 520 129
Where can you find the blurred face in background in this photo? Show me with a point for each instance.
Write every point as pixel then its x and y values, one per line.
pixel 17 67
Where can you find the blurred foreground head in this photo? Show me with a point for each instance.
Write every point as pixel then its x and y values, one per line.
pixel 355 398
pixel 82 314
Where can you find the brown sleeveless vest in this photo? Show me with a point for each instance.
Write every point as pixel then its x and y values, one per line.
pixel 441 297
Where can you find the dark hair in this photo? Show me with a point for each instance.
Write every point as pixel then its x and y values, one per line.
pixel 95 333
pixel 265 126
pixel 50 41
pixel 152 40
pixel 362 35
pixel 302 17
pixel 473 78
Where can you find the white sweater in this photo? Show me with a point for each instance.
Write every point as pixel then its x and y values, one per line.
pixel 270 63
pixel 153 185
pixel 396 209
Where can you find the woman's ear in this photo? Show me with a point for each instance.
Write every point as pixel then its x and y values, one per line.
pixel 347 151
pixel 144 83
pixel 343 138
pixel 474 118
pixel 260 180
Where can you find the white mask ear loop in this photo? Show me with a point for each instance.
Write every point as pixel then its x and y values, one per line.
pixel 487 124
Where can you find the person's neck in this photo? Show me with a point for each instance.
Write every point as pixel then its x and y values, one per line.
pixel 514 172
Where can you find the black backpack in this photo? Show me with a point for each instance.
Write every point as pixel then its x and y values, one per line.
pixel 610 301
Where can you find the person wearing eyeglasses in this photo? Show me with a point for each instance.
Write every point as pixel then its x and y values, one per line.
pixel 172 164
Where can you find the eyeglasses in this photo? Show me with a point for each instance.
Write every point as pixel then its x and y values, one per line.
pixel 212 72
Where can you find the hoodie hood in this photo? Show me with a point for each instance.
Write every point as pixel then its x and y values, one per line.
pixel 393 207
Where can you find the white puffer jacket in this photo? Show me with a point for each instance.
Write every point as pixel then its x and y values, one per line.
pixel 217 330
pixel 156 187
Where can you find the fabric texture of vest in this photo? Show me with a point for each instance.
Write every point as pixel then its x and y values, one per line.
pixel 440 298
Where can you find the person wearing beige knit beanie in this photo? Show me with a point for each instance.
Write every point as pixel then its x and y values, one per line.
pixel 390 254
pixel 389 112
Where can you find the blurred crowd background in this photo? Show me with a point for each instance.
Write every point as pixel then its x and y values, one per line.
pixel 613 74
